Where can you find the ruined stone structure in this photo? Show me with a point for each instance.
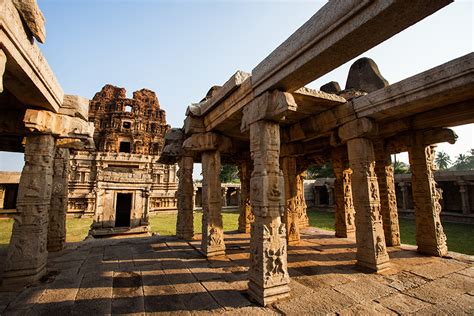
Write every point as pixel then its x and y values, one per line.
pixel 121 183
pixel 270 118
pixel 39 120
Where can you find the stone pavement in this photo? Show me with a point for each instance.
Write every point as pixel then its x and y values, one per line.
pixel 164 275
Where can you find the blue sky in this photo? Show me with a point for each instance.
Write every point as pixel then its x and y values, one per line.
pixel 181 48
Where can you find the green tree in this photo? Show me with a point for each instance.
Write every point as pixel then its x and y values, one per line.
pixel 400 167
pixel 322 171
pixel 229 174
pixel 464 162
pixel 442 160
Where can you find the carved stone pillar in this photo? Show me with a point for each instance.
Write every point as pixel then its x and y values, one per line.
pixel 464 191
pixel 303 220
pixel 388 198
pixel 27 252
pixel 145 221
pixel 371 250
pixel 246 216
pixel 59 201
pixel 184 223
pixel 317 196
pixel 3 61
pixel 430 237
pixel 404 189
pixel 224 196
pixel 344 210
pixel 212 243
pixel 330 190
pixel 290 217
pixel 268 274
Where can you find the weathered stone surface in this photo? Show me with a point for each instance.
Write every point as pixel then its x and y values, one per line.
pixel 402 304
pixel 3 61
pixel 290 217
pixel 246 216
pixel 430 237
pixel 33 18
pixel 364 291
pixel 184 223
pixel 74 105
pixel 365 75
pixel 331 87
pixel 27 252
pixel 207 141
pixel 436 269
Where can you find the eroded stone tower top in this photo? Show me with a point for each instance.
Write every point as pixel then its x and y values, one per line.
pixel 134 126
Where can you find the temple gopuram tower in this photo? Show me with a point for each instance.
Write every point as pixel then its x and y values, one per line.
pixel 121 183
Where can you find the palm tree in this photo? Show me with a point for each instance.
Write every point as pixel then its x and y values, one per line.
pixel 400 167
pixel 462 162
pixel 442 160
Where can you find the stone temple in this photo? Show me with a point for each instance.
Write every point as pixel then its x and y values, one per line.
pixel 121 182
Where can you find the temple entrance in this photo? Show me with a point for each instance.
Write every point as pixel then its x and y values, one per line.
pixel 123 209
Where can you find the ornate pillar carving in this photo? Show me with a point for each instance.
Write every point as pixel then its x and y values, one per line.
pixel 430 237
pixel 371 250
pixel 224 196
pixel 27 252
pixel 246 216
pixel 212 243
pixel 184 223
pixel 291 216
pixel 344 210
pixel 268 274
pixel 301 207
pixel 388 198
pixel 59 201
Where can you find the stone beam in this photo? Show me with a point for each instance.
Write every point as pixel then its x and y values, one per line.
pixel 59 125
pixel 272 106
pixel 348 26
pixel 76 106
pixel 402 142
pixel 207 141
pixel 27 74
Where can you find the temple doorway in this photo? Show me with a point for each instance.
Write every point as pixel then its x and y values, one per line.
pixel 123 209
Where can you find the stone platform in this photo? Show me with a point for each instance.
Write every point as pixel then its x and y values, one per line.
pixel 148 275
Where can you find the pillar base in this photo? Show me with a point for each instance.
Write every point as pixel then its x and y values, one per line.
pixel 346 234
pixel 15 279
pixel 372 267
pixel 213 253
pixel 265 296
pixel 185 235
pixel 432 250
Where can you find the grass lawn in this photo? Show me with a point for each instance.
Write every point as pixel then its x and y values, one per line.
pixel 460 236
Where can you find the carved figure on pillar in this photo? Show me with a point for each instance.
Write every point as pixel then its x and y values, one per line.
pixel 300 199
pixel 212 243
pixel 246 216
pixel 430 237
pixel 59 201
pixel 388 198
pixel 371 250
pixel 291 215
pixel 344 210
pixel 27 252
pixel 268 274
pixel 184 223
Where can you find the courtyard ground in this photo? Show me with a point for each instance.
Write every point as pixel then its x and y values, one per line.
pixel 460 236
pixel 160 274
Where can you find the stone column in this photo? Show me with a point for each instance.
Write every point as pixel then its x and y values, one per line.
pixel 303 220
pixel 388 198
pixel 371 250
pixel 224 196
pixel 317 197
pixel 246 216
pixel 344 210
pixel 59 201
pixel 146 207
pixel 27 252
pixel 464 191
pixel 290 217
pixel 185 220
pixel 212 243
pixel 3 61
pixel 430 237
pixel 329 189
pixel 268 274
pixel 404 189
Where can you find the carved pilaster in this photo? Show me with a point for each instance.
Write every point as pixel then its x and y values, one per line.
pixel 371 250
pixel 290 217
pixel 3 61
pixel 344 210
pixel 301 207
pixel 268 274
pixel 59 201
pixel 404 189
pixel 388 198
pixel 430 237
pixel 27 252
pixel 246 216
pixel 464 191
pixel 212 243
pixel 184 223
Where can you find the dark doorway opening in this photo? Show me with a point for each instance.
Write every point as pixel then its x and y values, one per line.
pixel 124 147
pixel 123 209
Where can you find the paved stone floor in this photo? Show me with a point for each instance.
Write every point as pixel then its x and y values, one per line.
pixel 163 275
